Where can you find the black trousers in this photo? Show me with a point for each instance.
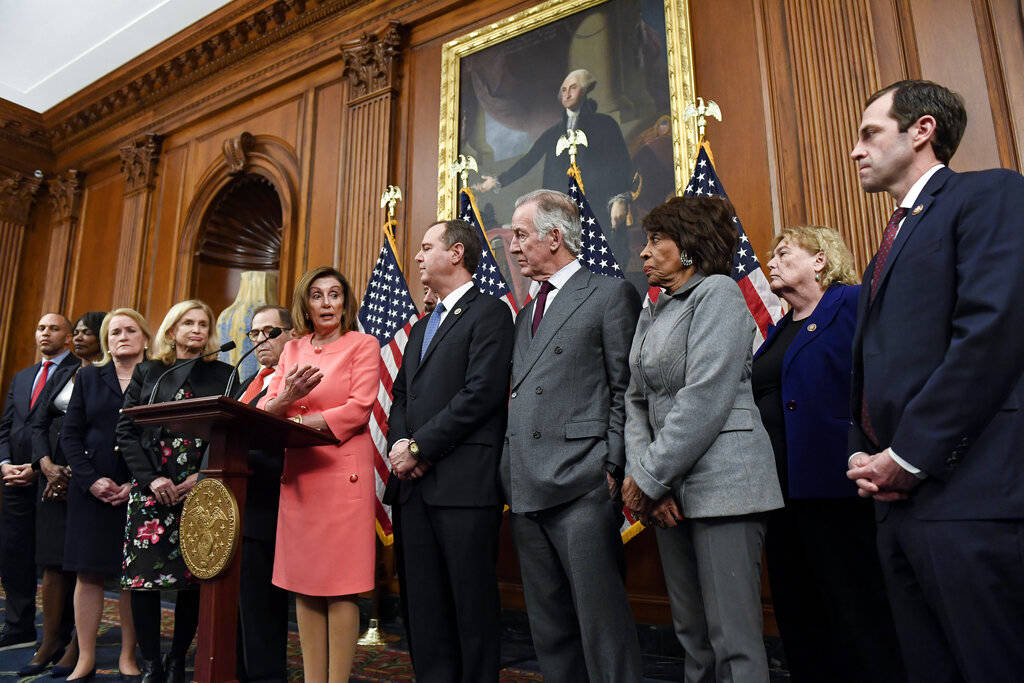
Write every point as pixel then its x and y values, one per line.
pixel 262 616
pixel 957 590
pixel 828 593
pixel 146 615
pixel 18 558
pixel 454 624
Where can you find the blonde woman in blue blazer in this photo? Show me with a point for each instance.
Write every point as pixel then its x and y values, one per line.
pixel 826 581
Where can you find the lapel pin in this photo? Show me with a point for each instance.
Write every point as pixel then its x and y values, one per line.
pixel 812 327
pixel 917 209
pixel 457 311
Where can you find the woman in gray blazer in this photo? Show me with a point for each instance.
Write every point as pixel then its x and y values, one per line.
pixel 699 462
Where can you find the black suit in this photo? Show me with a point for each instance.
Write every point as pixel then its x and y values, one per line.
pixel 18 504
pixel 262 606
pixel 452 402
pixel 938 357
pixel 95 531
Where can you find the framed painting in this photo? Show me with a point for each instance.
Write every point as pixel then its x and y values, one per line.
pixel 619 70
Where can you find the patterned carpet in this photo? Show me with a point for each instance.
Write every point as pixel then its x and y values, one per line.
pixel 388 663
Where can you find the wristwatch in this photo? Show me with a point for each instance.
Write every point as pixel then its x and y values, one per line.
pixel 414 448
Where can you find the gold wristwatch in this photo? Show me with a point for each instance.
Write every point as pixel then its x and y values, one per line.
pixel 414 448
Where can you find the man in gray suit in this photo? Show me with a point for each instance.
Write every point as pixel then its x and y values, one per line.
pixel 564 452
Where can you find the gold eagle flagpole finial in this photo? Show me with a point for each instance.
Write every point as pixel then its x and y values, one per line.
pixel 462 166
pixel 392 195
pixel 569 141
pixel 701 110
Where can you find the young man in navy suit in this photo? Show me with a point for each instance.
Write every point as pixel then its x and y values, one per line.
pixel 938 361
pixel 18 513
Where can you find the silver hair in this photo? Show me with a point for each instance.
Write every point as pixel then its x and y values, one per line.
pixel 585 78
pixel 555 210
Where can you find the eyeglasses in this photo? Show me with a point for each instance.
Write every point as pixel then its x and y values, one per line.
pixel 262 333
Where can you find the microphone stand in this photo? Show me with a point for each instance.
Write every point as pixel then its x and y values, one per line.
pixel 273 334
pixel 223 347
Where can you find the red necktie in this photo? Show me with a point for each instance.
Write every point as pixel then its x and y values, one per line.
pixel 40 383
pixel 255 386
pixel 888 237
pixel 542 299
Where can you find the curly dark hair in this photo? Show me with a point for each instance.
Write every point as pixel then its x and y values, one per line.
pixel 703 227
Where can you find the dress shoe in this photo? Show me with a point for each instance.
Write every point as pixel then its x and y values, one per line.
pixel 61 671
pixel 174 668
pixel 152 671
pixel 10 641
pixel 35 669
pixel 129 678
pixel 87 677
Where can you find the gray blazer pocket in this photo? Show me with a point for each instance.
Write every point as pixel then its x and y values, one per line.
pixel 586 429
pixel 739 419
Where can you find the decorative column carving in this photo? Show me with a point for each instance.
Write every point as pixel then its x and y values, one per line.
pixel 371 65
pixel 138 164
pixel 66 200
pixel 17 195
pixel 236 152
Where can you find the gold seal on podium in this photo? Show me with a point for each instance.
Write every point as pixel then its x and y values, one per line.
pixel 210 528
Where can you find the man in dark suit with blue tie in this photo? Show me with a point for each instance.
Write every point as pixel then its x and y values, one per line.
pixel 262 606
pixel 937 390
pixel 445 433
pixel 18 505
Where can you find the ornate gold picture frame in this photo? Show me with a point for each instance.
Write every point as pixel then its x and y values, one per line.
pixel 679 75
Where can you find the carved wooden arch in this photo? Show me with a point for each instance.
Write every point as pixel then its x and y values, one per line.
pixel 263 155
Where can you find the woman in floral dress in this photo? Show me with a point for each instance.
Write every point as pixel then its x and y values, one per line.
pixel 165 467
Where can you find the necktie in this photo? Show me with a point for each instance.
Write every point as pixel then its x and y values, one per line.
pixel 888 237
pixel 40 383
pixel 542 300
pixel 255 386
pixel 432 325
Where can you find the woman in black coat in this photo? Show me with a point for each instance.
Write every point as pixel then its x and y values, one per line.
pixel 51 502
pixel 100 483
pixel 165 467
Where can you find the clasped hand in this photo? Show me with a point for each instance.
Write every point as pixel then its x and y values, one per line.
pixel 110 492
pixel 167 492
pixel 404 464
pixel 57 478
pixel 880 477
pixel 18 475
pixel 663 513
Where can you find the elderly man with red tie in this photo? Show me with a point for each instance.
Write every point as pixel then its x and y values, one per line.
pixel 18 504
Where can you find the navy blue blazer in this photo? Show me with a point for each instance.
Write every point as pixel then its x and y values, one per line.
pixel 938 354
pixel 15 426
pixel 87 437
pixel 816 396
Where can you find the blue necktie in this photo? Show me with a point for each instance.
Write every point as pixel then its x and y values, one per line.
pixel 432 325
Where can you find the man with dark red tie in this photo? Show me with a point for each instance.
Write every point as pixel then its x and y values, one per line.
pixel 937 390
pixel 18 504
pixel 262 606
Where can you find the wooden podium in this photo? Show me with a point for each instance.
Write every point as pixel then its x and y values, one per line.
pixel 231 428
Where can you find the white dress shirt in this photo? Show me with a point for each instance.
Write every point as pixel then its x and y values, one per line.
pixel 452 299
pixel 557 281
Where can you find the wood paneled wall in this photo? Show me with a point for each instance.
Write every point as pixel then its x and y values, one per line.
pixel 331 100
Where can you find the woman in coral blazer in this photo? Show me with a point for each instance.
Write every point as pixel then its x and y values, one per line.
pixel 326 379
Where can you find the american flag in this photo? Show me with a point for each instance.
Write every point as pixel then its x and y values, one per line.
pixel 488 278
pixel 746 269
pixel 388 313
pixel 596 255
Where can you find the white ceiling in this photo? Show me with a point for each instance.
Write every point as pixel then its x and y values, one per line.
pixel 51 49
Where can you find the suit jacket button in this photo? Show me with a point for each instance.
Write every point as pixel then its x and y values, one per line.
pixel 539 390
pixel 513 394
pixel 536 435
pixel 558 349
pixel 354 478
pixel 790 405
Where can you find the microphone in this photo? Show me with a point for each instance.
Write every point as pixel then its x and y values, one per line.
pixel 273 334
pixel 223 347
